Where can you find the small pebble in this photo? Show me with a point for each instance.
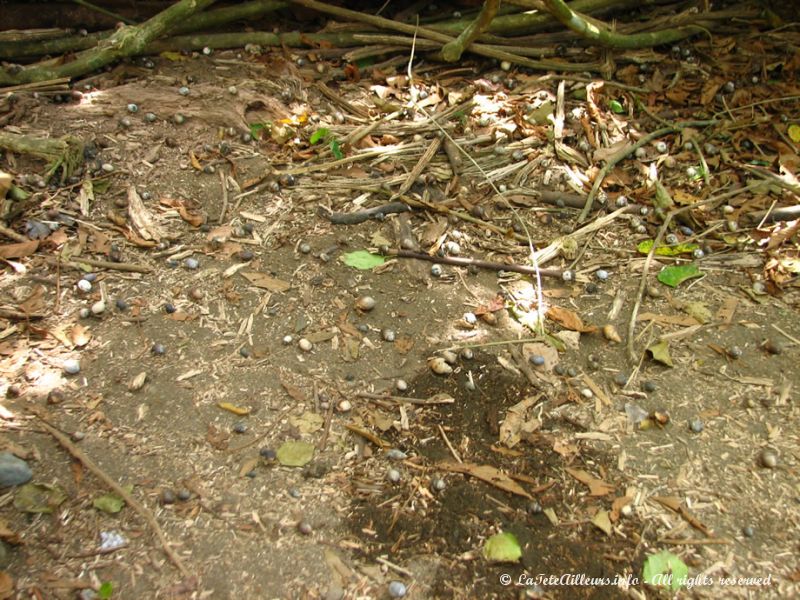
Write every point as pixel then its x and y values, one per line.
pixel 698 253
pixel 71 366
pixel 85 286
pixel 167 497
pixel 537 360
pixel 195 294
pixel 150 117
pixel 388 335
pixel 305 248
pixel 287 339
pixel 240 427
pixel 305 345
pixel 169 308
pixel 505 65
pixel 191 263
pixel 107 167
pixel 294 493
pixel 121 304
pixel 729 87
pixel 396 454
pixel 534 508
pixel 587 393
pixel 467 354
pixel 78 436
pixel 184 494
pixel 393 475
pixel 572 372
pixel 735 352
pixel 696 426
pixel 438 484
pixel 244 352
pixel 768 459
pixel 748 531
pixel 671 239
pixel 305 528
pixel 401 385
pixel 691 171
pixel 397 589
pixel 268 454
pixel 365 303
pixel 436 270
pixel 621 201
pixel 601 274
pixel 344 406
pixel 158 349
pixel 567 275
pixel 772 347
pixel 84 313
pixel 183 91
pixel 621 379
pixel 661 147
pixel 626 510
pixel 649 386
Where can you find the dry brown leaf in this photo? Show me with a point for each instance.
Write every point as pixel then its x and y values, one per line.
pixel 80 335
pixel 295 392
pixel 7 585
pixel 597 487
pixel 488 474
pixel 568 319
pixel 266 282
pixel 19 250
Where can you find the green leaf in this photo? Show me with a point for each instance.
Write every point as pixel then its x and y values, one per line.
pixel 363 260
pixel 674 275
pixel 257 128
pixel 295 454
pixel 665 570
pixel 676 250
pixel 660 352
pixel 616 107
pixel 502 547
pixel 38 498
pixel 336 149
pixel 109 503
pixel 318 135
pixel 106 590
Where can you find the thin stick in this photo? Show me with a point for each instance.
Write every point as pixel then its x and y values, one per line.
pixel 449 445
pixel 106 264
pixel 10 233
pixel 437 399
pixel 224 197
pixel 483 264
pixel 423 161
pixel 117 488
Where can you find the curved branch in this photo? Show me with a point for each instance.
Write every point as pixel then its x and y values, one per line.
pixel 598 32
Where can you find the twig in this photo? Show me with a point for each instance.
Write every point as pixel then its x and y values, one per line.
pixel 106 264
pixel 787 335
pixel 117 488
pixel 224 185
pixel 482 264
pixel 423 161
pixel 449 445
pixel 437 399
pixel 11 234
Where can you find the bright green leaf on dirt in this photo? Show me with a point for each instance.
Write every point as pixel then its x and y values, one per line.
pixel 676 250
pixel 674 275
pixel 794 132
pixel 336 150
pixel 109 503
pixel 660 352
pixel 106 590
pixel 502 548
pixel 319 135
pixel 38 498
pixel 256 129
pixel 665 570
pixel 363 260
pixel 616 107
pixel 295 454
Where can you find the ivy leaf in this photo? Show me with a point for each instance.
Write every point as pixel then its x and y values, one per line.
pixel 616 107
pixel 295 454
pixel 660 352
pixel 674 275
pixel 665 570
pixel 363 260
pixel 502 548
pixel 319 135
pixel 106 590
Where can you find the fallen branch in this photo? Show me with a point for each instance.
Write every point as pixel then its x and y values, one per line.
pixel 481 264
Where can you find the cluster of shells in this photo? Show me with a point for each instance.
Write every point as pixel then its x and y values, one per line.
pixel 444 362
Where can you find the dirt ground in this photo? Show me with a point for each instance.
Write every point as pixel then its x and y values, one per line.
pixel 188 383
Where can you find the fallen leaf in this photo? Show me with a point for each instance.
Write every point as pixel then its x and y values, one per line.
pixel 602 522
pixel 502 548
pixel 80 335
pixel 295 453
pixel 237 410
pixel 597 487
pixel 266 282
pixel 660 352
pixel 489 474
pixel 568 319
pixel 19 250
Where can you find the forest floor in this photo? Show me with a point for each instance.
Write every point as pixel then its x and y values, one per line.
pixel 242 342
